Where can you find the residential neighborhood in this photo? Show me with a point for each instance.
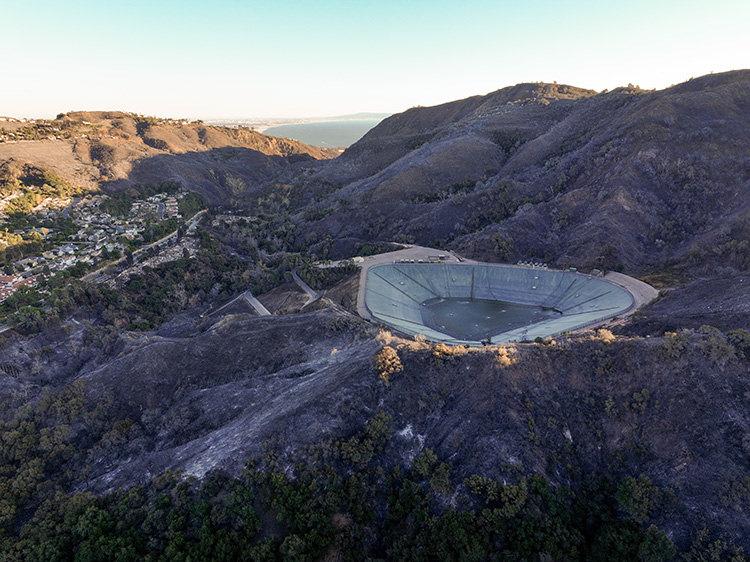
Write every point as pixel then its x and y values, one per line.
pixel 9 284
pixel 97 235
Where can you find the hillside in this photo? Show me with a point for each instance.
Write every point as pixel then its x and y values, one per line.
pixel 95 149
pixel 200 395
pixel 641 180
pixel 150 411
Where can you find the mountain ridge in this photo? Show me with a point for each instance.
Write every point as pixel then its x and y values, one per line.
pixel 92 149
pixel 556 179
pixel 158 366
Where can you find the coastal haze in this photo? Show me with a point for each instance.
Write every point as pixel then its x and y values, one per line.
pixel 325 132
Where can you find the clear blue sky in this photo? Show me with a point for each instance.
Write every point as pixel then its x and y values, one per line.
pixel 226 58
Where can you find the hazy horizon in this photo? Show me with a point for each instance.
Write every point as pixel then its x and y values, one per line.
pixel 234 60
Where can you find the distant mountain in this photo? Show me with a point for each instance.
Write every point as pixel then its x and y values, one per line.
pixel 262 122
pixel 338 131
pixel 363 115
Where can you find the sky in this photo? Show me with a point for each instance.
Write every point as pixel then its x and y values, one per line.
pixel 278 58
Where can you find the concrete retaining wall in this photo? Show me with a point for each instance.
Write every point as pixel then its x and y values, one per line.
pixel 395 292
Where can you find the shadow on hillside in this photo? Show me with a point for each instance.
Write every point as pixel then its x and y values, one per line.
pixel 219 174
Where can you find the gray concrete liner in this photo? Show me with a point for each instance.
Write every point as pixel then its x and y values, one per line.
pixel 395 292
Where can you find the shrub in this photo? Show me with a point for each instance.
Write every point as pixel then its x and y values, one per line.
pixel 640 400
pixel 505 356
pixel 716 347
pixel 605 336
pixel 675 343
pixel 442 351
pixel 388 363
pixel 703 549
pixel 656 546
pixel 427 466
pixel 190 204
pixel 503 247
pixel 636 497
pixel 360 449
pixel 740 340
pixel 103 154
pixel 505 499
pixel 373 248
pixel 321 278
pixel 610 406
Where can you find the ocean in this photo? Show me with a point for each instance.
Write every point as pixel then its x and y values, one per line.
pixel 327 134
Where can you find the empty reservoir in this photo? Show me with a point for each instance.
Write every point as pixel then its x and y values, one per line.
pixel 475 303
pixel 479 319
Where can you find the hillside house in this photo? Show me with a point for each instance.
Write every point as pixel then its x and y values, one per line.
pixel 9 284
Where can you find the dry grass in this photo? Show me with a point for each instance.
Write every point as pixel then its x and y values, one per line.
pixel 387 363
pixel 419 343
pixel 605 336
pixel 506 354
